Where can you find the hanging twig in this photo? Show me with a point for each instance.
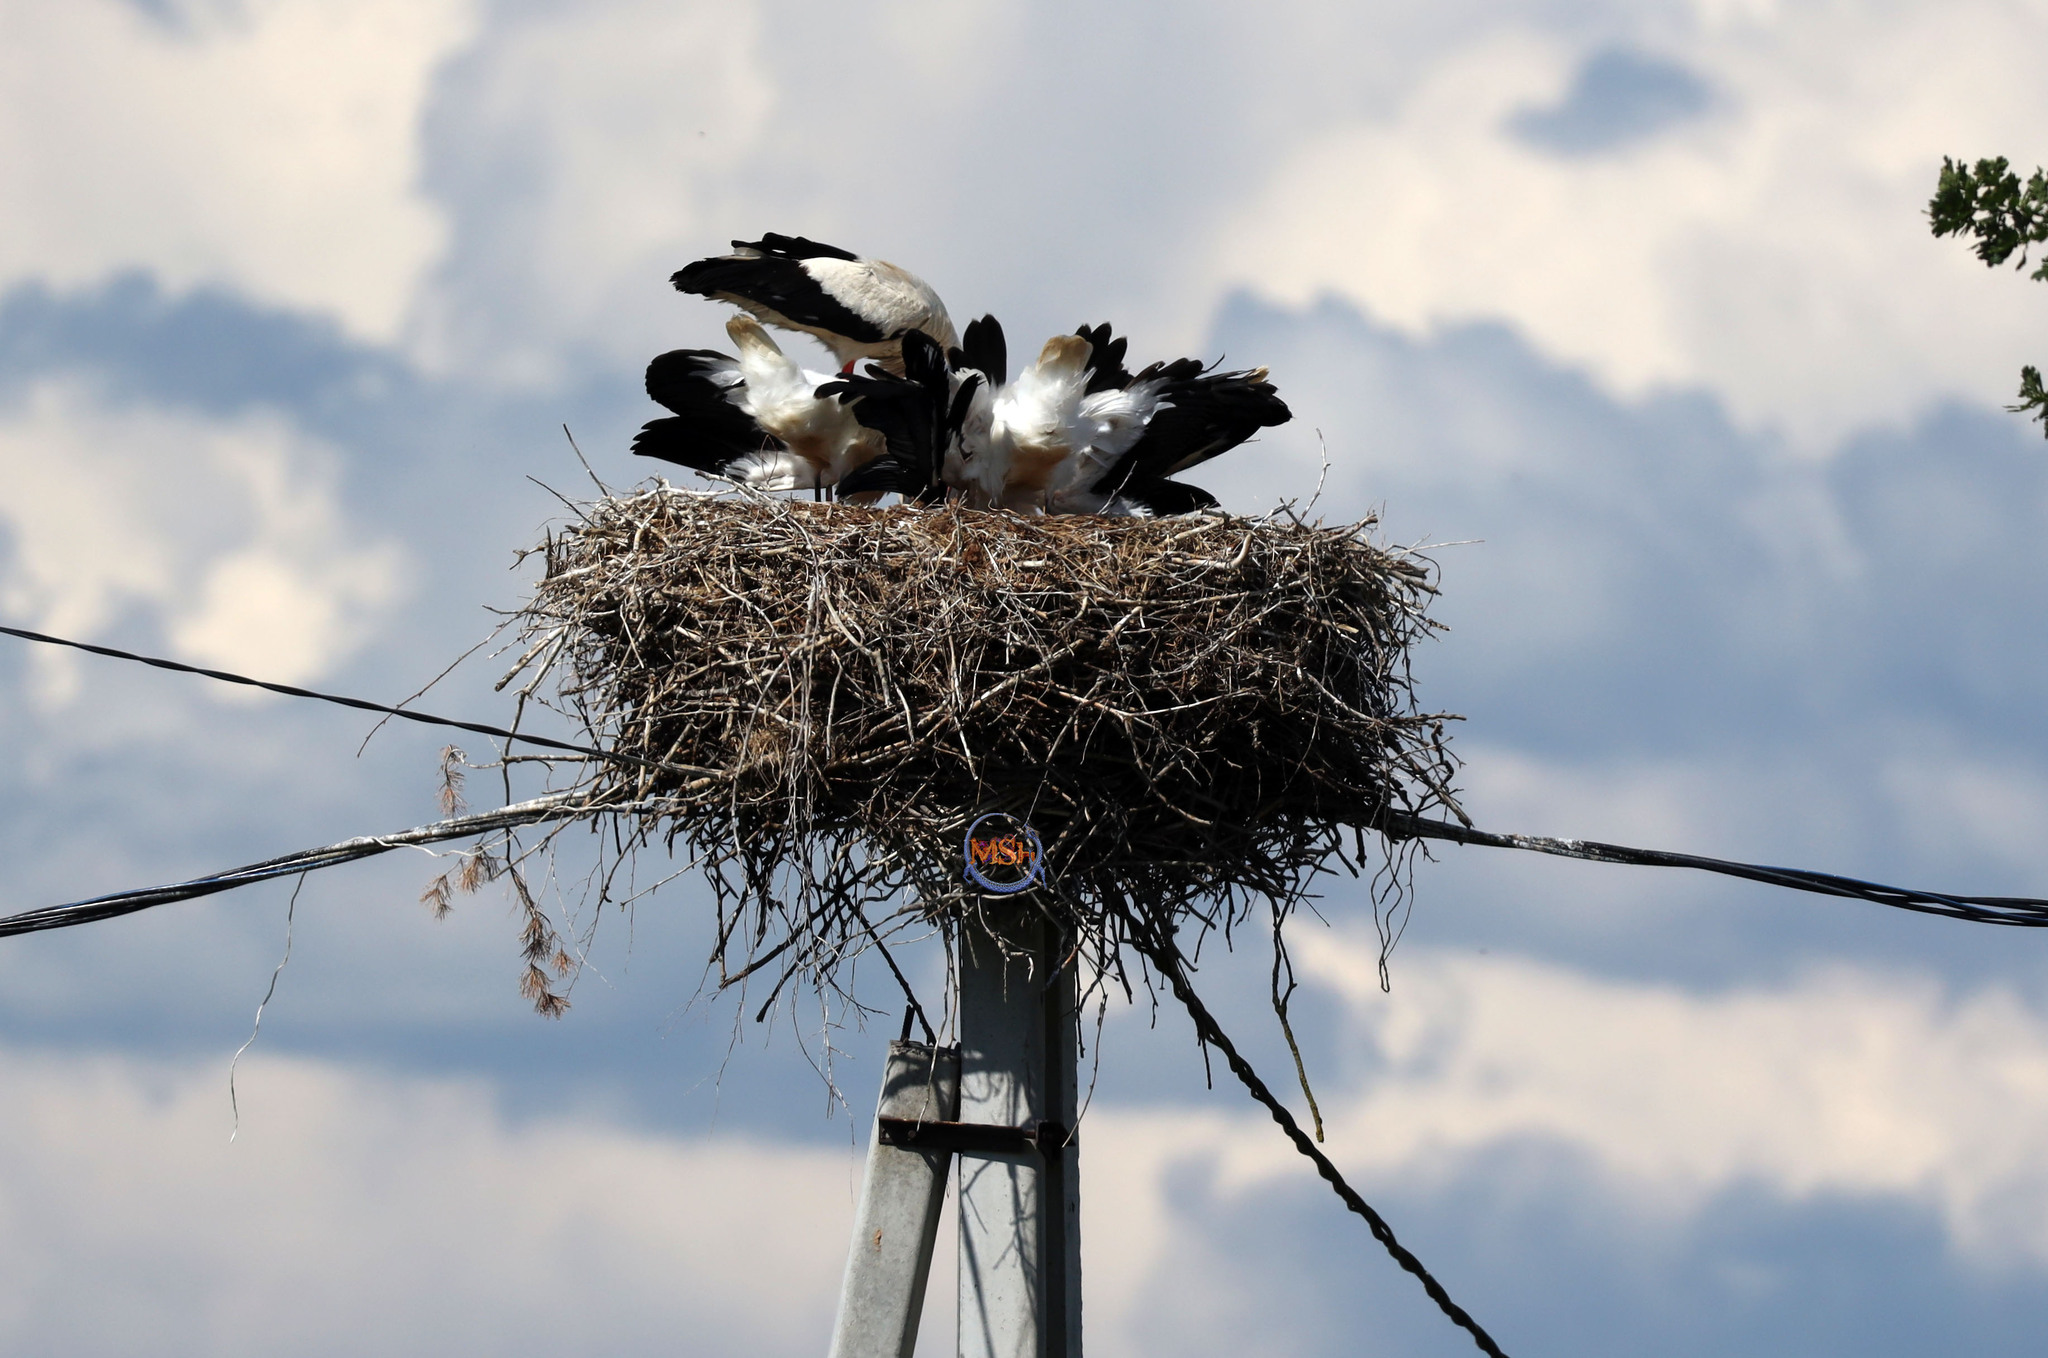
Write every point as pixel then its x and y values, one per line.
pixel 1281 997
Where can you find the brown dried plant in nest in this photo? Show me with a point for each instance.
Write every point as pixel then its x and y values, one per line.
pixel 1195 714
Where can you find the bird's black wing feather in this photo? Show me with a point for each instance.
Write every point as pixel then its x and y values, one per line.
pixel 913 413
pixel 1177 373
pixel 684 380
pixel 779 283
pixel 963 401
pixel 984 349
pixel 708 433
pixel 1209 414
pixel 688 443
pixel 1106 371
pixel 1162 497
pixel 793 247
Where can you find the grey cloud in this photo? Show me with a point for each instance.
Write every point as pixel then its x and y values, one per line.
pixel 1553 1260
pixel 1617 97
pixel 1656 594
pixel 1650 577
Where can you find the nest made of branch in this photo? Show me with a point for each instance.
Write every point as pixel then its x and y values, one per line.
pixel 1191 712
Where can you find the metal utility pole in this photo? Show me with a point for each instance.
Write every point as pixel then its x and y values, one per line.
pixel 1020 1210
pixel 1005 1102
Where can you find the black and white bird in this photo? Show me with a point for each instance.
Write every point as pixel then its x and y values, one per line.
pixel 998 441
pixel 918 416
pixel 1073 433
pixel 858 308
pixel 1118 409
pixel 1195 415
pixel 1078 433
pixel 756 418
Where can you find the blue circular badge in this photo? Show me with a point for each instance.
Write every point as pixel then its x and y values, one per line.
pixel 1003 855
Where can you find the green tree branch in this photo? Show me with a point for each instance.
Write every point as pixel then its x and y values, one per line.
pixel 1988 201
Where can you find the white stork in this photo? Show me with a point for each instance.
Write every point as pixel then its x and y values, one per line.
pixel 1074 433
pixel 1078 433
pixel 755 419
pixel 858 308
pixel 1178 416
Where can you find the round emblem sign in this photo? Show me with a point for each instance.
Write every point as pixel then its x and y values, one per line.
pixel 1003 855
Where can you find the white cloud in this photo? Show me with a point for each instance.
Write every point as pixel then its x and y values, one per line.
pixel 1976 807
pixel 361 1210
pixel 269 146
pixel 588 150
pixel 358 1213
pixel 1845 1082
pixel 1774 251
pixel 226 529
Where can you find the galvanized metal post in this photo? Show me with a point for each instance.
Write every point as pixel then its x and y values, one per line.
pixel 896 1226
pixel 1020 1212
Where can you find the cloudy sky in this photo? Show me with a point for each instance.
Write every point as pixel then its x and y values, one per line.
pixel 1633 303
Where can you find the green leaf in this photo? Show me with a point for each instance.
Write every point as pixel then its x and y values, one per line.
pixel 2033 396
pixel 1989 202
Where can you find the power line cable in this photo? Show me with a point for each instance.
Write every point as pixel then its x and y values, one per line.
pixel 2017 911
pixel 2023 912
pixel 2013 911
pixel 424 718
pixel 556 806
pixel 1164 954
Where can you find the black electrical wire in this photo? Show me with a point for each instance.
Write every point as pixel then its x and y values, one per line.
pixel 2022 912
pixel 424 718
pixel 1165 956
pixel 559 806
pixel 2013 911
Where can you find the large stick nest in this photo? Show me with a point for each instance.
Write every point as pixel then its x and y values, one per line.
pixel 1193 713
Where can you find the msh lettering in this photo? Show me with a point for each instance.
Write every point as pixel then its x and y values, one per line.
pixel 1003 855
pixel 1008 851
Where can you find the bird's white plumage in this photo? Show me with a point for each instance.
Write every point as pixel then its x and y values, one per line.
pixel 970 442
pixel 891 298
pixel 1041 442
pixel 1035 425
pixel 1115 420
pixel 824 439
pixel 885 296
